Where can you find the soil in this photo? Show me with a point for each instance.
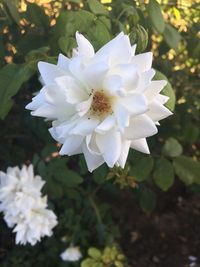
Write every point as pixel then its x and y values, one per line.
pixel 167 237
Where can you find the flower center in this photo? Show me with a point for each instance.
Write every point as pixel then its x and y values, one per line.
pixel 102 103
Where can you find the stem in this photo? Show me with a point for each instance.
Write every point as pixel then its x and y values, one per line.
pixel 96 210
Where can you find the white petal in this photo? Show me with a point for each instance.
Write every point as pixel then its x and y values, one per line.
pixel 54 95
pixel 118 49
pixel 49 72
pixel 140 127
pixel 145 80
pixel 140 145
pixel 162 98
pixel 157 111
pixel 46 111
pixel 129 75
pixel 109 145
pixel 94 74
pixel 106 125
pixel 37 101
pixel 122 115
pixel 73 91
pixel 133 49
pixel 84 106
pixel 135 103
pixel 63 62
pixel 76 68
pixel 154 89
pixel 93 161
pixel 84 46
pixel 113 84
pixel 85 127
pixel 143 61
pixel 91 144
pixel 124 153
pixel 71 145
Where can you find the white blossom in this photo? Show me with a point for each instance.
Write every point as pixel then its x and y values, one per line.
pixel 71 254
pixel 101 104
pixel 23 206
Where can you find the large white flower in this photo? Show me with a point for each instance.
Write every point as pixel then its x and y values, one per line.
pixel 102 103
pixel 71 254
pixel 23 206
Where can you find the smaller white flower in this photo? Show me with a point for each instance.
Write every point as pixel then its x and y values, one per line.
pixel 24 207
pixel 71 254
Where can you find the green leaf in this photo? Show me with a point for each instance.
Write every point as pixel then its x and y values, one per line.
pixel 97 8
pixel 99 174
pixel 12 7
pixel 94 253
pixel 172 148
pixel 171 36
pixel 12 77
pixel 36 15
pixel 141 167
pixel 81 20
pixel 164 174
pixel 187 170
pixel 147 200
pixel 139 36
pixel 69 178
pixel 99 33
pixel 66 43
pixel 167 90
pixel 155 15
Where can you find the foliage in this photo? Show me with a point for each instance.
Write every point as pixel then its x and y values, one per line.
pixel 32 32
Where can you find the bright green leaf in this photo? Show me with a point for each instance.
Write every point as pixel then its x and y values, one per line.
pixel 187 170
pixel 163 174
pixel 94 253
pixel 155 15
pixel 172 148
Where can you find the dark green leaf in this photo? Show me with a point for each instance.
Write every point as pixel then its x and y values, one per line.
pixel 11 79
pixel 172 148
pixel 155 15
pixel 69 178
pixel 147 200
pixel 36 15
pixel 187 170
pixel 99 174
pixel 96 7
pixel 141 167
pixel 164 174
pixel 171 36
pixel 11 5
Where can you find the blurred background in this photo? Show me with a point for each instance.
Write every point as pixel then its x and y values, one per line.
pixel 151 209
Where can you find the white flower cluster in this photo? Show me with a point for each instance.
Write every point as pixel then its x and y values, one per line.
pixel 71 254
pixel 101 104
pixel 23 206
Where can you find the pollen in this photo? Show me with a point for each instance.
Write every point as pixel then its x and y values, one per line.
pixel 102 103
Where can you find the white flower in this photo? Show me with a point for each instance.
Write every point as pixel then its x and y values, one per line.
pixel 101 104
pixel 23 206
pixel 71 254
